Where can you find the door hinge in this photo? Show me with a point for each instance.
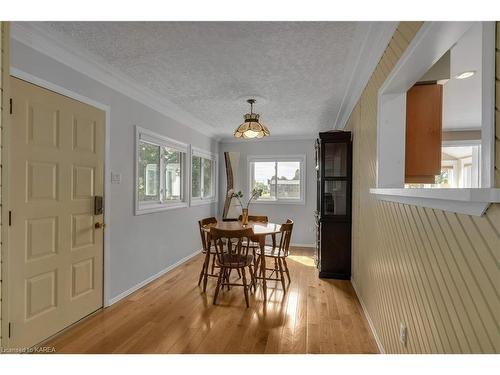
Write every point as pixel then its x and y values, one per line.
pixel 10 103
pixel 10 218
pixel 10 331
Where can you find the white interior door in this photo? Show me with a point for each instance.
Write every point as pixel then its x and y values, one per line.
pixel 55 262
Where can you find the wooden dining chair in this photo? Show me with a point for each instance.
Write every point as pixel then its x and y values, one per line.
pixel 279 253
pixel 208 251
pixel 232 254
pixel 254 243
pixel 256 218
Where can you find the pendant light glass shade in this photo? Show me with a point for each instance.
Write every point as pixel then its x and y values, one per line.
pixel 251 127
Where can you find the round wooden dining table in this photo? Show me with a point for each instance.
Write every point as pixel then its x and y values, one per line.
pixel 260 231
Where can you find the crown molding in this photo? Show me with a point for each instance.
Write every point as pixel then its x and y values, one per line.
pixel 376 40
pixel 41 38
pixel 272 138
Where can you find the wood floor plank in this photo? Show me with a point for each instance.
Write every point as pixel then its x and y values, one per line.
pixel 300 328
pixel 173 315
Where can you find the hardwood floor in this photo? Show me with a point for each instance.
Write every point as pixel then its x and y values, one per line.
pixel 172 315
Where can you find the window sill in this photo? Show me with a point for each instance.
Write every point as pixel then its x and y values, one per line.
pixel 466 201
pixel 158 207
pixel 280 201
pixel 202 202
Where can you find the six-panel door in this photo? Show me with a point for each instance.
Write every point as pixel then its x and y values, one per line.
pixel 55 264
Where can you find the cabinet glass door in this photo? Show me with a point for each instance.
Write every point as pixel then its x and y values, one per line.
pixel 335 181
pixel 335 159
pixel 335 198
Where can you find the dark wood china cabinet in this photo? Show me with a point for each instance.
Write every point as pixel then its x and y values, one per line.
pixel 333 212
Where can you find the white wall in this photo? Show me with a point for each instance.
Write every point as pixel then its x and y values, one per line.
pixel 462 97
pixel 302 215
pixel 141 246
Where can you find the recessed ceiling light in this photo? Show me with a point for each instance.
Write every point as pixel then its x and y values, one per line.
pixel 465 75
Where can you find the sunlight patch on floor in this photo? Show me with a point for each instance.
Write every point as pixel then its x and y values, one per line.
pixel 305 260
pixel 291 309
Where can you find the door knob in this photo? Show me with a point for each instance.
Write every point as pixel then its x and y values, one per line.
pixel 99 225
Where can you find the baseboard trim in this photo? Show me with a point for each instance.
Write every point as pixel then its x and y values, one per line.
pixel 302 244
pixel 367 316
pixel 334 275
pixel 143 283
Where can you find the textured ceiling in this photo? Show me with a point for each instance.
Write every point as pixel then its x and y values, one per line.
pixel 301 70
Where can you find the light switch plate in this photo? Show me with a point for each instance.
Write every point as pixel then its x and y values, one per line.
pixel 116 178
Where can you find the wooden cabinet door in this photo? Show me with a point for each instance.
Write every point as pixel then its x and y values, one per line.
pixel 423 133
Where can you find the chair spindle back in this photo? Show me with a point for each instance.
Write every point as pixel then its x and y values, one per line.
pixel 224 241
pixel 256 218
pixel 204 235
pixel 286 235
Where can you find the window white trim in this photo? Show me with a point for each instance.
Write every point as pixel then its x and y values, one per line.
pixel 430 43
pixel 278 158
pixel 198 201
pixel 146 135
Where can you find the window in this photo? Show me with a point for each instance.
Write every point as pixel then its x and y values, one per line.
pixel 149 172
pixel 196 177
pixel 460 168
pixel 446 177
pixel 173 164
pixel 203 177
pixel 280 178
pixel 467 175
pixel 161 172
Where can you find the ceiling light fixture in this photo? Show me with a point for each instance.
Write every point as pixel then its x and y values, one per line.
pixel 251 127
pixel 465 75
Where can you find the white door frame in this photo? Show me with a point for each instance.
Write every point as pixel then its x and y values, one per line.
pixel 107 170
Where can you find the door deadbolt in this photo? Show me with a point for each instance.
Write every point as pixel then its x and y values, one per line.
pixel 99 225
pixel 98 205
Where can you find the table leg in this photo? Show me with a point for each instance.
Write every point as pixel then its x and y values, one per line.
pixel 262 244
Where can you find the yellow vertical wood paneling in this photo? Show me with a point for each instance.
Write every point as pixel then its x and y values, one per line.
pixel 435 271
